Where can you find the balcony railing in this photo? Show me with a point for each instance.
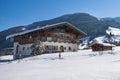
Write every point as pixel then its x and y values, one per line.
pixel 50 39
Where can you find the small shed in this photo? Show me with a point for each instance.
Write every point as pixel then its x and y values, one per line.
pixel 101 46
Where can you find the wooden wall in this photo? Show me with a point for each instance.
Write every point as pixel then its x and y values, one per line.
pixel 98 47
pixel 50 32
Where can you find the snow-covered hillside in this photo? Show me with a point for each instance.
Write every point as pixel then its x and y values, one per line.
pixel 115 38
pixel 114 31
pixel 84 44
pixel 82 65
pixel 101 39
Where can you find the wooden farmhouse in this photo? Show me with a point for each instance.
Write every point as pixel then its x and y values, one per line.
pixel 60 37
pixel 101 46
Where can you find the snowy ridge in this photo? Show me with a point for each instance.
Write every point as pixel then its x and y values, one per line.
pixel 100 39
pixel 114 31
pixel 104 44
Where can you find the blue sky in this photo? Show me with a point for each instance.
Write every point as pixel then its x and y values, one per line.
pixel 23 12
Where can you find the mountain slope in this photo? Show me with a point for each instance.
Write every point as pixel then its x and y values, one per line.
pixel 8 43
pixel 114 22
pixel 88 23
pixel 83 21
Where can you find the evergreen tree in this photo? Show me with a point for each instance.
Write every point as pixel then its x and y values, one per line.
pixel 37 48
pixel 110 37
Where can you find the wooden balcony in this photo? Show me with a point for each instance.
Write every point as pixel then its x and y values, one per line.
pixel 50 39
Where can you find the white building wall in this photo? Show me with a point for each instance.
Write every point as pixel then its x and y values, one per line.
pixel 14 51
pixel 59 44
pixel 27 51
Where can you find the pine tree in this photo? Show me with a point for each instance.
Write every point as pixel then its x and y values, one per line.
pixel 37 48
pixel 110 37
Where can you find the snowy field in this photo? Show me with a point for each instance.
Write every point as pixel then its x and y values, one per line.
pixel 82 65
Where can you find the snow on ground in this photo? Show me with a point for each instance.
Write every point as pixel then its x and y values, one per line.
pixel 6 57
pixel 81 65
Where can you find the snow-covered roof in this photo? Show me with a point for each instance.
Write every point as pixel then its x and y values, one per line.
pixel 101 43
pixel 44 27
pixel 100 39
pixel 114 31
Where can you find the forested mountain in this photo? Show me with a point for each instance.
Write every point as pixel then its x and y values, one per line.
pixel 86 22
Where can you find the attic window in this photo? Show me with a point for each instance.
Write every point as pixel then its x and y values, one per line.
pixel 63 30
pixel 60 30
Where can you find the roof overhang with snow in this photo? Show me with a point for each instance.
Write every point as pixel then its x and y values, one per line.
pixel 102 44
pixel 47 27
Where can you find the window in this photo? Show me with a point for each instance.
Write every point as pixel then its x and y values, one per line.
pixel 46 47
pixel 63 30
pixel 23 48
pixel 69 48
pixel 60 30
pixel 49 48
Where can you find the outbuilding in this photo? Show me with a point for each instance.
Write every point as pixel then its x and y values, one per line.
pixel 101 46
